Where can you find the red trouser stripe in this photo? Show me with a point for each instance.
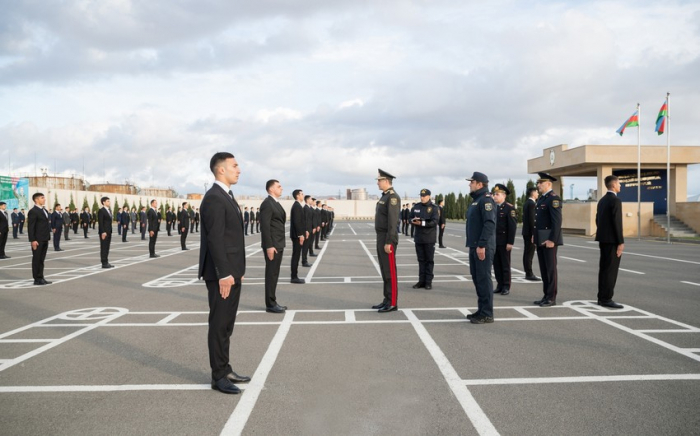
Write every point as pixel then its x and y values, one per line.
pixel 394 281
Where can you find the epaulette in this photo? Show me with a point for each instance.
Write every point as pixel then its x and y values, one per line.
pixel 509 204
pixel 487 195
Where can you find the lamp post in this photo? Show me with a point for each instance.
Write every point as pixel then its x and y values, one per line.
pixel 572 191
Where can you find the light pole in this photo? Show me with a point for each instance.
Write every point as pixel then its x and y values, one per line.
pixel 572 191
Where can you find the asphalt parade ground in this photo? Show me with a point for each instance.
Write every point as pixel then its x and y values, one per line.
pixel 123 351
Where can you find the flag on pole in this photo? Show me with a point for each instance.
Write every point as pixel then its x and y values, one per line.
pixel 631 122
pixel 661 119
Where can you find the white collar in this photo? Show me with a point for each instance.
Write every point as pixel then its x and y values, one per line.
pixel 613 193
pixel 274 198
pixel 222 185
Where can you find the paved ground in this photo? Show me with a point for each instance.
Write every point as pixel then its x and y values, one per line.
pixel 123 351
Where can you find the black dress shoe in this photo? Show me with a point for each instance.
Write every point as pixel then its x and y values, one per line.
pixel 317 247
pixel 225 385
pixel 313 255
pixel 235 378
pixel 5 257
pixel 185 249
pixel 388 308
pixel 307 265
pixel 154 256
pixel 538 302
pixel 481 319
pixel 442 246
pixel 428 286
pixel 498 290
pixel 107 265
pixel 299 281
pixel 38 283
pixel 58 249
pixel 44 282
pixel 505 291
pixel 419 285
pixel 611 304
pixel 275 309
pixel 548 303
pixel 533 278
pixel 472 315
pixel 67 239
pixel 379 306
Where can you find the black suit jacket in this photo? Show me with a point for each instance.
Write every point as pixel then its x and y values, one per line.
pixel 4 224
pixel 222 251
pixel 297 225
pixel 608 220
pixel 272 219
pixel 184 220
pixel 104 221
pixel 529 218
pixel 548 219
pixel 56 219
pixel 39 225
pixel 84 218
pixel 317 217
pixel 309 218
pixel 153 220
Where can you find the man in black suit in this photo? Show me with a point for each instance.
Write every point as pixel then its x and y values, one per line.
pixel 184 220
pixel 153 226
pixel 66 224
pixel 272 220
pixel 57 227
pixel 309 227
pixel 126 219
pixel 85 221
pixel 15 222
pixel 196 220
pixel 252 220
pixel 246 220
pixel 318 222
pixel 548 237
pixel 168 219
pixel 179 210
pixel 74 220
pixel 39 230
pixel 143 222
pixel 325 219
pixel 528 232
pixel 222 267
pixel 297 232
pixel 608 220
pixel 191 214
pixel 257 221
pixel 21 221
pixel 104 229
pixel 4 229
pixel 441 223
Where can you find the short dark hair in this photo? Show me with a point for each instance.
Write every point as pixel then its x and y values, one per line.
pixel 184 203
pixel 218 158
pixel 103 199
pixel 153 201
pixel 306 197
pixel 609 180
pixel 38 194
pixel 270 183
pixel 318 202
pixel 529 191
pixel 295 193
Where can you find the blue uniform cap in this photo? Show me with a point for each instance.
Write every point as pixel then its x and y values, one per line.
pixel 479 177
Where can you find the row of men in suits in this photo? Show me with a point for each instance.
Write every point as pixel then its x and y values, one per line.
pixel 4 229
pixel 17 219
pixel 251 219
pixel 175 219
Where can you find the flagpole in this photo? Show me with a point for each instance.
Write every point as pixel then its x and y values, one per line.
pixel 639 172
pixel 668 167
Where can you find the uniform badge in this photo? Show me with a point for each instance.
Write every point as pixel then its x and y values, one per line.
pixel 394 201
pixel 555 204
pixel 430 210
pixel 488 207
pixel 512 213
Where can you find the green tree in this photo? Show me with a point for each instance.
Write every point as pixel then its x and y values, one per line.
pixel 85 203
pixel 116 208
pixel 162 211
pixel 461 207
pixel 140 203
pixel 126 203
pixel 95 205
pixel 510 198
pixel 71 204
pixel 55 200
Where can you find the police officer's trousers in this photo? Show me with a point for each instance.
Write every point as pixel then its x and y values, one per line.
pixel 548 269
pixel 426 262
pixel 481 276
pixel 501 267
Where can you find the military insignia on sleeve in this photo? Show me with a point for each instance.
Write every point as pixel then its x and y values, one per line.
pixel 394 201
pixel 430 210
pixel 555 204
pixel 512 213
pixel 488 207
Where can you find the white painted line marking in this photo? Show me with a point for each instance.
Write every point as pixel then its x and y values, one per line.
pixel 169 318
pixel 350 316
pixel 631 271
pixel 627 253
pixel 694 330
pixel 238 419
pixel 584 379
pixel 347 280
pixel 107 388
pixel 476 415
pixel 25 341
pixel 571 258
pixel 312 270
pixel 691 283
pixel 527 313
pixel 376 265
pixel 353 230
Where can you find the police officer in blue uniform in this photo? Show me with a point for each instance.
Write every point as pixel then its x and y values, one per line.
pixel 481 240
pixel 424 217
pixel 506 224
pixel 386 225
pixel 547 237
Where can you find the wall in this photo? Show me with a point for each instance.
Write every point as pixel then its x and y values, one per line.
pixel 689 213
pixel 63 196
pixel 580 218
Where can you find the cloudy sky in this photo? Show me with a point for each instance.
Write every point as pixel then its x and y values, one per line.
pixel 319 93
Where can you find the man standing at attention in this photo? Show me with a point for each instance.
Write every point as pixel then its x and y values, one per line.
pixel 386 225
pixel 506 224
pixel 39 232
pixel 424 216
pixel 57 227
pixel 104 226
pixel 184 220
pixel 528 232
pixel 4 229
pixel 246 220
pixel 481 240
pixel 608 220
pixel 297 232
pixel 153 227
pixel 272 219
pixel 222 267
pixel 548 237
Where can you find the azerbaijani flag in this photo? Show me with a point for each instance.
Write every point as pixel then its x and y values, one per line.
pixel 661 119
pixel 631 122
